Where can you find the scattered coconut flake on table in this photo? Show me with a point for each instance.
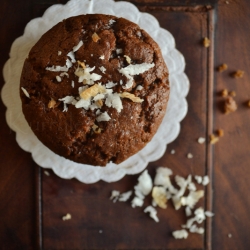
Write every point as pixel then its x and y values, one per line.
pixel 201 140
pixel 180 234
pixel 125 196
pixel 198 179
pixel 152 213
pixel 136 202
pixel 78 46
pixel 205 180
pixel 189 156
pixel 25 92
pixel 66 217
pixel 114 195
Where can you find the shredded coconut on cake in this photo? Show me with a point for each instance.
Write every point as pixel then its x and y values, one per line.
pixel 103 117
pixel 25 92
pixel 78 46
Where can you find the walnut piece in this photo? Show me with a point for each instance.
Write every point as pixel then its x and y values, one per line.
pixel 220 132
pixel 238 74
pixel 224 92
pixel 82 64
pixel 222 67
pixel 213 139
pixel 132 97
pixel 92 91
pixel 95 38
pixel 96 129
pixel 51 103
pixel 206 42
pixel 230 105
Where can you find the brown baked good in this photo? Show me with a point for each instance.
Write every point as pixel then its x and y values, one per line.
pixel 121 102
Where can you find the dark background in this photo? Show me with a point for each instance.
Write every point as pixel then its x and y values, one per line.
pixel 32 204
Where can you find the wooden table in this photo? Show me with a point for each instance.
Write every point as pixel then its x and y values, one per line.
pixel 32 204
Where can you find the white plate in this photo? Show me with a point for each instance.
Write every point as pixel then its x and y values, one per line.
pixel 169 129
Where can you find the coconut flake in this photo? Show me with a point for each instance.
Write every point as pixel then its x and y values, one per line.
pixel 114 100
pixel 103 117
pixel 209 214
pixel 132 70
pixel 102 57
pixel 25 92
pixel 125 196
pixel 71 55
pixel 198 179
pixel 189 156
pixel 102 69
pixel 110 84
pixel 195 229
pixel 139 87
pixel 128 59
pixel 73 84
pixel 78 46
pixel 172 152
pixel 201 140
pixel 64 74
pixel 66 217
pixel 205 180
pixel 136 202
pixel 118 51
pixel 59 53
pixel 145 183
pixel 92 91
pixel 67 100
pixel 82 103
pixel 58 78
pixel 188 211
pixel 114 195
pixel 180 234
pixel 57 68
pixel 192 198
pixel 84 74
pixel 68 63
pixel 191 187
pixel 152 213
pixel 159 196
pixel 111 21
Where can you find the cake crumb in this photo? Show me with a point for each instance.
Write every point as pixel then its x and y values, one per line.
pixel 222 67
pixel 95 38
pixel 224 93
pixel 201 140
pixel 66 217
pixel 238 74
pixel 46 173
pixel 230 105
pixel 206 42
pixel 213 139
pixel 172 152
pixel 51 103
pixel 220 132
pixel 189 156
pixel 232 93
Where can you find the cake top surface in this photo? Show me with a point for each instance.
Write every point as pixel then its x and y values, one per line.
pixel 94 75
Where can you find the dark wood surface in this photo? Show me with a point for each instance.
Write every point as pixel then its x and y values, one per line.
pixel 32 203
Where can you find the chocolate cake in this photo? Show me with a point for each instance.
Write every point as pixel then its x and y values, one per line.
pixel 94 89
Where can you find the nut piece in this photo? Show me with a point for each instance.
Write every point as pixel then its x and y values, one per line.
pixel 248 103
pixel 82 64
pixel 220 132
pixel 238 74
pixel 230 105
pixel 206 42
pixel 99 103
pixel 213 139
pixel 222 67
pixel 92 91
pixel 132 97
pixel 224 92
pixel 159 196
pixel 51 103
pixel 95 38
pixel 232 93
pixel 96 129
